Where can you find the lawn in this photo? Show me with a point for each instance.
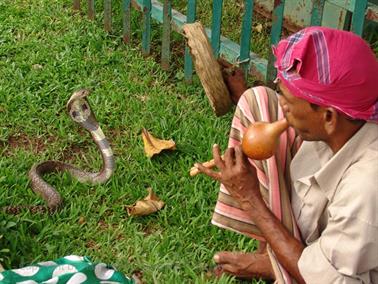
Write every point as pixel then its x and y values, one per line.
pixel 46 53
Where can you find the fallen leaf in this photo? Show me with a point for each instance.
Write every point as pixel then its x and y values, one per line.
pixel 91 244
pixel 137 276
pixel 82 220
pixel 148 205
pixel 37 66
pixel 154 145
pixel 143 98
pixel 258 28
pixel 102 225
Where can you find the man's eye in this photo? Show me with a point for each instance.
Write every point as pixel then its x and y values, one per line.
pixel 277 89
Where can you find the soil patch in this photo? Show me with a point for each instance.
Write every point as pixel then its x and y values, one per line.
pixel 23 141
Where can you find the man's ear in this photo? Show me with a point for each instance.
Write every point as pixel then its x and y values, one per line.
pixel 331 117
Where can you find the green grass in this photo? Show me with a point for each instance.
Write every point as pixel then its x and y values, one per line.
pixel 45 54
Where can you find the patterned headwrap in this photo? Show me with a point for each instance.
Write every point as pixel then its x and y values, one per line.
pixel 331 68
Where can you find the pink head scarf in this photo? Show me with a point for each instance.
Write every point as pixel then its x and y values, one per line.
pixel 330 67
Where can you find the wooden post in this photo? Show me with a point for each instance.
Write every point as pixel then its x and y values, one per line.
pixel 208 68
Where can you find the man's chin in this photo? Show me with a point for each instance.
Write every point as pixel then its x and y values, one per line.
pixel 305 136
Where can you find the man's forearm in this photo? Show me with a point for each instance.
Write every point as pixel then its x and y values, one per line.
pixel 286 248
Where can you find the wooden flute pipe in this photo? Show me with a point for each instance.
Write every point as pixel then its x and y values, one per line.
pixel 259 142
pixel 209 164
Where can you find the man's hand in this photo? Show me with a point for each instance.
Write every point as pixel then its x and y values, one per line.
pixel 236 174
pixel 240 179
pixel 234 79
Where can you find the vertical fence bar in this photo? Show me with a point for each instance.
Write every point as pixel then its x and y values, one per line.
pixel 358 18
pixel 275 35
pixel 347 21
pixel 216 26
pixel 108 15
pixel 245 41
pixel 190 18
pixel 317 12
pixel 76 5
pixel 146 35
pixel 166 38
pixel 91 9
pixel 126 21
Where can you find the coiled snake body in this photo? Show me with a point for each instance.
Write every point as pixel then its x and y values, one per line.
pixel 80 111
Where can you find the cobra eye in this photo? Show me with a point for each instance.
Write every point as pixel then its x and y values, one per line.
pixel 84 107
pixel 74 113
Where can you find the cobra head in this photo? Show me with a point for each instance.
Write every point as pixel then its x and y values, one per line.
pixel 78 106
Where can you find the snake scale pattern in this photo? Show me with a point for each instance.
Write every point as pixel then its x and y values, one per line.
pixel 79 110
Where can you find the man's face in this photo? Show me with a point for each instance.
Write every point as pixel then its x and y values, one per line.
pixel 307 122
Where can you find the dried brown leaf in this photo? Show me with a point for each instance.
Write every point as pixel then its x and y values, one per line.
pixel 137 276
pixel 148 205
pixel 82 220
pixel 258 28
pixel 154 145
pixel 37 66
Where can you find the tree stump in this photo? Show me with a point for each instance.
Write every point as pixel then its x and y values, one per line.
pixel 208 69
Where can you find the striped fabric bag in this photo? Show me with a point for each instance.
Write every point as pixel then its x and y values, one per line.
pixel 261 104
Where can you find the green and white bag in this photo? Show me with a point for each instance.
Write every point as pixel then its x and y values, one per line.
pixel 70 269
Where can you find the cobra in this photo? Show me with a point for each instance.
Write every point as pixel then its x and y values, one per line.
pixel 79 110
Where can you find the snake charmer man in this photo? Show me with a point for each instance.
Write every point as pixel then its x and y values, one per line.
pixel 313 205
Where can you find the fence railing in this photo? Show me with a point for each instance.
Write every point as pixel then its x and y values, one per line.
pixel 357 11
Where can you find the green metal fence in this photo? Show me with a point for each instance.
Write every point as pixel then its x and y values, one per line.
pixel 352 15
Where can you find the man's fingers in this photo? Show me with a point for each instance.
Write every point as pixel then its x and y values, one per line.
pixel 207 171
pixel 230 269
pixel 239 156
pixel 217 157
pixel 224 257
pixel 229 157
